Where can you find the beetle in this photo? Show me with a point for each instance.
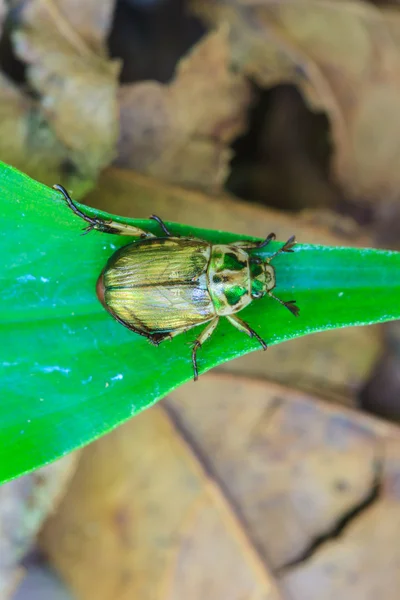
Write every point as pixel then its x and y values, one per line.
pixel 160 287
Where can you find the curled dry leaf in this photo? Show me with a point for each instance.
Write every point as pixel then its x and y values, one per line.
pixel 26 141
pixel 90 20
pixel 167 507
pixel 180 132
pixel 24 504
pixel 345 57
pixel 75 82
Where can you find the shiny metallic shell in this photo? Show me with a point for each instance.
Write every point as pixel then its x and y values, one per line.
pixel 159 285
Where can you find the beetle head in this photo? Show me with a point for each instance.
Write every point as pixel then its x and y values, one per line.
pixel 262 277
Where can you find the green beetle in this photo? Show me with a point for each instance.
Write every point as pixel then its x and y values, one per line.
pixel 160 287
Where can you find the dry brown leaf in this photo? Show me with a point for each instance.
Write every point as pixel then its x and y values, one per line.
pixel 363 563
pixel 24 504
pixel 345 57
pixel 295 468
pixel 77 87
pixel 141 520
pixel 181 132
pixel 292 467
pixel 26 141
pixel 167 504
pixel 330 364
pixel 333 366
pixel 90 20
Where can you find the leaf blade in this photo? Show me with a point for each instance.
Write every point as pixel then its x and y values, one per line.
pixel 70 373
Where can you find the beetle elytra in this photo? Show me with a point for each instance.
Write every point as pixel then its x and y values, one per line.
pixel 160 287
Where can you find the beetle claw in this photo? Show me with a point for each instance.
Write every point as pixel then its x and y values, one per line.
pixel 267 240
pixel 89 228
pixel 292 306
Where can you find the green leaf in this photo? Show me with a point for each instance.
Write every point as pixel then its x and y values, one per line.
pixel 70 373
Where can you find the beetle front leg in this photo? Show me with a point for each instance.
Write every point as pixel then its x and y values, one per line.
pixel 287 246
pixel 252 245
pixel 242 326
pixel 203 337
pixel 103 225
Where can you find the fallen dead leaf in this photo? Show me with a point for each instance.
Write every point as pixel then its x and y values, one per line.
pixel 363 562
pixel 24 504
pixel 167 507
pixel 344 56
pixel 142 520
pixel 77 87
pixel 314 484
pixel 84 24
pixel 292 467
pixel 181 132
pixel 330 364
pixel 26 141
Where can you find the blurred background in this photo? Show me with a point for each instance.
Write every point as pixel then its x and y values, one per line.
pixel 248 116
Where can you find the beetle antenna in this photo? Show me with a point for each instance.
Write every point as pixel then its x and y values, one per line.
pixel 287 247
pixel 289 304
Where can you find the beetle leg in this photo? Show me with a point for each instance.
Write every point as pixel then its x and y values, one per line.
pixel 245 328
pixel 162 225
pixel 203 337
pixel 103 225
pixel 253 245
pixel 267 240
pixel 289 304
pixel 287 247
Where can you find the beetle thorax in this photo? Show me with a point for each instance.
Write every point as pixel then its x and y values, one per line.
pixel 229 279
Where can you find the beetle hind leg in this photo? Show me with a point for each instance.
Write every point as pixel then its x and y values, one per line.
pixel 245 328
pixel 162 225
pixel 103 225
pixel 203 337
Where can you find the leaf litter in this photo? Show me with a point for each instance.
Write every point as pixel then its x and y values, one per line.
pixel 345 58
pixel 65 119
pixel 180 132
pixel 71 119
